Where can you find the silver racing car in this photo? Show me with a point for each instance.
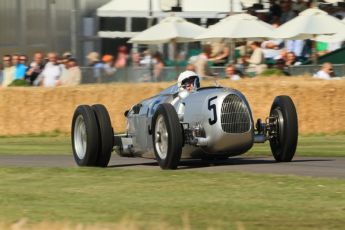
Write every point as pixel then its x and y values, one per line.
pixel 185 122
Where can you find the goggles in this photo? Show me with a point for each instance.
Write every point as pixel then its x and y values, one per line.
pixel 189 81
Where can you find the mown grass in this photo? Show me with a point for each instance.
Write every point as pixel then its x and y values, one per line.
pixel 318 145
pixel 175 199
pixel 60 144
pixel 36 145
pixel 217 200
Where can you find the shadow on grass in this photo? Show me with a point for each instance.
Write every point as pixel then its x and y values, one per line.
pixel 197 163
pixel 240 161
pixel 133 164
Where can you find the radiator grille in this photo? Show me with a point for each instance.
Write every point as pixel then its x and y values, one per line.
pixel 235 117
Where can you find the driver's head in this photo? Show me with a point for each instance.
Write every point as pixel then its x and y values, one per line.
pixel 188 80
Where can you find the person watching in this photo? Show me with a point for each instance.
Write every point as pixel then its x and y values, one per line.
pixel 73 76
pixel 291 59
pixel 326 72
pixel 231 73
pixel 256 62
pixel 8 72
pixel 35 68
pixel 51 72
pixel 23 59
pixel 201 62
pixel 20 67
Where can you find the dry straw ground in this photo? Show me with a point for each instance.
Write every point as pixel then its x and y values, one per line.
pixel 320 104
pixel 125 224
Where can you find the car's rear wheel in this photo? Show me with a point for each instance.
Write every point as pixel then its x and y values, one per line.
pixel 106 135
pixel 284 133
pixel 84 136
pixel 167 136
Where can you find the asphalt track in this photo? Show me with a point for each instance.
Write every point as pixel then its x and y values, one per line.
pixel 333 167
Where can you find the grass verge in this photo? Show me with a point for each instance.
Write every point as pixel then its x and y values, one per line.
pixel 36 145
pixel 321 146
pixel 202 200
pixel 60 144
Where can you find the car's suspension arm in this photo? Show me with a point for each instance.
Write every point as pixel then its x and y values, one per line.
pixel 265 130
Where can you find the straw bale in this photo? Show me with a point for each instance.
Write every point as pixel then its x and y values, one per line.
pixel 320 104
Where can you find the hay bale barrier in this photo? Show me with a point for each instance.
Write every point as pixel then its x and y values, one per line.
pixel 320 104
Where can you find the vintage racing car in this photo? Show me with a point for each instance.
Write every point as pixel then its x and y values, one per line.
pixel 205 123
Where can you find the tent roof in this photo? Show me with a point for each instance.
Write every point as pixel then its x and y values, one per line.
pixel 140 8
pixel 308 24
pixel 170 28
pixel 127 8
pixel 238 26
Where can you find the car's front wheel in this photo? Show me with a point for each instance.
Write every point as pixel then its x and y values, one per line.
pixel 167 136
pixel 284 132
pixel 85 136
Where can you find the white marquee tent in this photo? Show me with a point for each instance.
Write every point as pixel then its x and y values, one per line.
pixel 202 9
pixel 169 29
pixel 191 8
pixel 337 37
pixel 159 9
pixel 128 8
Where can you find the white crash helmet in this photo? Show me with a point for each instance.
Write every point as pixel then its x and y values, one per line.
pixel 188 76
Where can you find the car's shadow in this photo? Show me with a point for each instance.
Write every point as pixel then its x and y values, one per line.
pixel 188 164
pixel 196 163
pixel 133 164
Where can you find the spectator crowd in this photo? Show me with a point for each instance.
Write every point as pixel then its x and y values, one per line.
pixel 46 71
pixel 250 58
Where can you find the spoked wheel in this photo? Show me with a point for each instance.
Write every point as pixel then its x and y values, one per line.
pixel 167 136
pixel 84 136
pixel 284 130
pixel 106 135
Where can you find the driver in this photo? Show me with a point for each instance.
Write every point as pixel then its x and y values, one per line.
pixel 188 80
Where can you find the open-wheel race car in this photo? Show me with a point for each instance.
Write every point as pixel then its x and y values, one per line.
pixel 204 123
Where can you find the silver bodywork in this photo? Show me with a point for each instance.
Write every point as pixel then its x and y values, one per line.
pixel 215 120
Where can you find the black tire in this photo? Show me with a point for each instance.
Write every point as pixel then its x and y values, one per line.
pixel 84 151
pixel 106 135
pixel 166 113
pixel 283 145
